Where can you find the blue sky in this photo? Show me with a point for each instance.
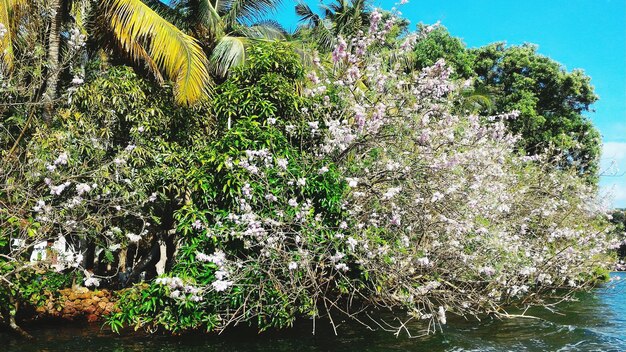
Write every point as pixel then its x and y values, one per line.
pixel 586 34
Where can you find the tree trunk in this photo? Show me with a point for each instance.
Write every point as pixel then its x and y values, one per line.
pixel 121 266
pixel 150 259
pixel 54 44
pixel 172 249
pixel 12 323
pixel 160 265
pixel 89 257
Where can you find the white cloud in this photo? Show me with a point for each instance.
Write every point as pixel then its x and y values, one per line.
pixel 620 194
pixel 614 150
pixel 613 168
pixel 613 159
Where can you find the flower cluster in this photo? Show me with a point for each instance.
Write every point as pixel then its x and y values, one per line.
pixel 77 39
pixel 70 199
pixel 221 274
pixel 180 289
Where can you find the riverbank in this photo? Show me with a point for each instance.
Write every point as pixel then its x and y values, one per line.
pixel 595 322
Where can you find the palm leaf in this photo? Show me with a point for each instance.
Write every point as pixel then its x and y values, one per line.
pixel 325 37
pixel 328 12
pixel 137 51
pixel 143 33
pixel 169 12
pixel 13 4
pixel 268 30
pixel 10 12
pixel 478 99
pixel 229 52
pixel 305 52
pixel 202 14
pixel 6 42
pixel 307 15
pixel 80 13
pixel 478 102
pixel 248 10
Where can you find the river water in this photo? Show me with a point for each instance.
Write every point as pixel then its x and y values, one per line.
pixel 596 322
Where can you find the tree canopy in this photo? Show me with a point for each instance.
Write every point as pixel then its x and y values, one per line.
pixel 551 100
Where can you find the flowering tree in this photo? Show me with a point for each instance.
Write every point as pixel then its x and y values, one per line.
pixel 433 213
pixel 465 224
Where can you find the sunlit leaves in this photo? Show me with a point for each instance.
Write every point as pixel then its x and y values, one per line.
pixel 147 36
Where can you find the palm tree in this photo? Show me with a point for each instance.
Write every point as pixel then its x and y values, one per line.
pixel 224 27
pixel 7 9
pixel 139 30
pixel 341 18
pixel 477 99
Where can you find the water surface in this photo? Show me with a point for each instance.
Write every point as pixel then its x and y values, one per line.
pixel 596 322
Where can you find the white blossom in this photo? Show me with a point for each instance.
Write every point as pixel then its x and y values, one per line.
pixel 282 163
pixel 341 267
pixel 352 181
pixel 83 188
pixel 133 237
pixel 77 80
pixel 92 282
pixel 221 285
pixel 441 315
pixel 62 159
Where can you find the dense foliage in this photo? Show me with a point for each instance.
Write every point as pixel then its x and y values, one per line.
pixel 551 100
pixel 434 212
pixel 362 183
pixel 90 185
pixel 618 218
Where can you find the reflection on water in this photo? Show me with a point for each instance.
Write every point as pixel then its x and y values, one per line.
pixel 597 322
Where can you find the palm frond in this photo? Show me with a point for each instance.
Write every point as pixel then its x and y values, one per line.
pixel 328 12
pixel 203 14
pixel 11 12
pixel 249 10
pixel 17 3
pixel 307 15
pixel 477 99
pixel 80 11
pixel 268 30
pixel 140 53
pixel 169 13
pixel 143 33
pixel 222 6
pixel 10 15
pixel 229 52
pixel 324 36
pixel 6 41
pixel 306 53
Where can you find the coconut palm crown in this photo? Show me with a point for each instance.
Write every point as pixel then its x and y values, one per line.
pixel 142 34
